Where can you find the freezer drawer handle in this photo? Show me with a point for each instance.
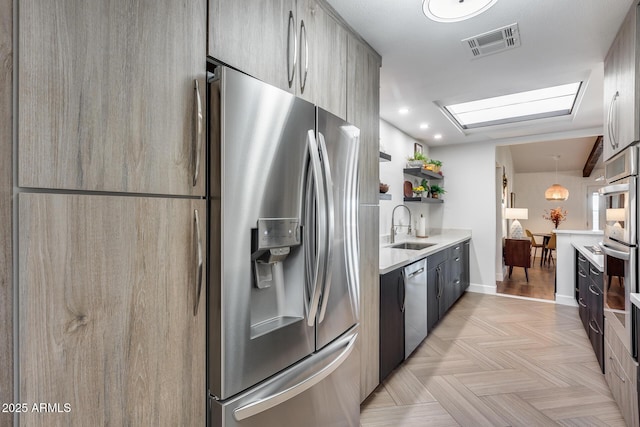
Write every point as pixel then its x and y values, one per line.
pixel 198 282
pixel 197 132
pixel 279 397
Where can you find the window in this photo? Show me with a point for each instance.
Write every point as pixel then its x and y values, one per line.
pixel 595 209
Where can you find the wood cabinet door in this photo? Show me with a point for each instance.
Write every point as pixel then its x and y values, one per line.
pixel 256 37
pixel 107 323
pixel 322 61
pixel 363 111
pixel 106 96
pixel 620 90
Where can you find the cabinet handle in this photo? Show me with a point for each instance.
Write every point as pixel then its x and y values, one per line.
pixel 581 274
pixel 595 273
pixel 581 303
pixel 581 259
pixel 597 331
pixel 404 292
pixel 593 292
pixel 439 280
pixel 196 145
pixel 291 70
pixel 198 282
pixel 304 45
pixel 610 120
pixel 613 362
pixel 415 273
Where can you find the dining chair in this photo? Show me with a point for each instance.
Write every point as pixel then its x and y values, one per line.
pixel 535 245
pixel 551 247
pixel 517 253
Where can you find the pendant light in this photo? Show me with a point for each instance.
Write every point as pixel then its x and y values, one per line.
pixel 556 191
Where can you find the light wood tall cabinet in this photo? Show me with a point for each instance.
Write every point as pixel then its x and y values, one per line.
pixel 322 58
pixel 621 88
pixel 6 207
pixel 363 110
pixel 256 37
pixel 296 45
pixel 112 313
pixel 106 96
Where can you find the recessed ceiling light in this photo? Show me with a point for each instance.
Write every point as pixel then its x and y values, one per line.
pixel 424 126
pixel 517 107
pixel 437 136
pixel 403 110
pixel 454 10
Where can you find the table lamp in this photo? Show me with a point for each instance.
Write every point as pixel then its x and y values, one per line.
pixel 515 231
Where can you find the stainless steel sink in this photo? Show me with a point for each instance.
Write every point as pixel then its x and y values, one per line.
pixel 412 246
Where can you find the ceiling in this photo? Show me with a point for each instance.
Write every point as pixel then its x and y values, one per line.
pixel 538 157
pixel 424 62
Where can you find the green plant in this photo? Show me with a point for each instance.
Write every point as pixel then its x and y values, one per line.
pixel 434 162
pixel 436 189
pixel 418 156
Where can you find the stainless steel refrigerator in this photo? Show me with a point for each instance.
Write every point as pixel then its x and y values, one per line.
pixel 283 278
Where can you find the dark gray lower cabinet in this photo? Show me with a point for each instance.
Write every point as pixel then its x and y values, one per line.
pixel 447 279
pixel 391 321
pixel 591 304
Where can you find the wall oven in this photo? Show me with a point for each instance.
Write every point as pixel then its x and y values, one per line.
pixel 620 243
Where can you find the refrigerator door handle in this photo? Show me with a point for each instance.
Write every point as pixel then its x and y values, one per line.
pixel 330 212
pixel 198 283
pixel 197 132
pixel 329 364
pixel 319 269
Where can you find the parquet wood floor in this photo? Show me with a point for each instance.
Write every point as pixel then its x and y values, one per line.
pixel 496 361
pixel 541 282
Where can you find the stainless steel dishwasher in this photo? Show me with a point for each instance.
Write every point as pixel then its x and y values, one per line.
pixel 415 305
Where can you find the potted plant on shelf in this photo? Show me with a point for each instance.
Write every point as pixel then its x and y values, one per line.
pixel 420 190
pixel 433 165
pixel 416 161
pixel 436 191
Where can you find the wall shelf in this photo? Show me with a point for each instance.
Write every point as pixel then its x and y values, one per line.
pixel 384 157
pixel 423 200
pixel 422 173
pixel 384 196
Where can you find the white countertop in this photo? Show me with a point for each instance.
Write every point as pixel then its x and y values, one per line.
pixel 585 232
pixel 635 299
pixel 596 260
pixel 391 258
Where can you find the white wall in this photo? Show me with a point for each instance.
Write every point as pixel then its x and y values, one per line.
pixel 529 189
pixel 400 146
pixel 470 203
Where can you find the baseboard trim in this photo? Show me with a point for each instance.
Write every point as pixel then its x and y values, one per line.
pixel 481 289
pixel 566 300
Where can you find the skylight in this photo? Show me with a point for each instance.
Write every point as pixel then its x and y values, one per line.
pixel 517 107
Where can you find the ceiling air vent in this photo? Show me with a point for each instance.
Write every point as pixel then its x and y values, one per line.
pixel 493 41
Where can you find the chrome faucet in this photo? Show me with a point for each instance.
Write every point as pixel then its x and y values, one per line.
pixel 392 237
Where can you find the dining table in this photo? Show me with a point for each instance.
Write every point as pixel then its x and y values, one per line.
pixel 545 240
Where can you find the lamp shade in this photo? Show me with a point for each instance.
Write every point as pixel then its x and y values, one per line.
pixel 556 192
pixel 516 213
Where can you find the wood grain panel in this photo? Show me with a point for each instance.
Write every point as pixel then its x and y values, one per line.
pixel 369 341
pixel 106 95
pixel 107 291
pixel 6 204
